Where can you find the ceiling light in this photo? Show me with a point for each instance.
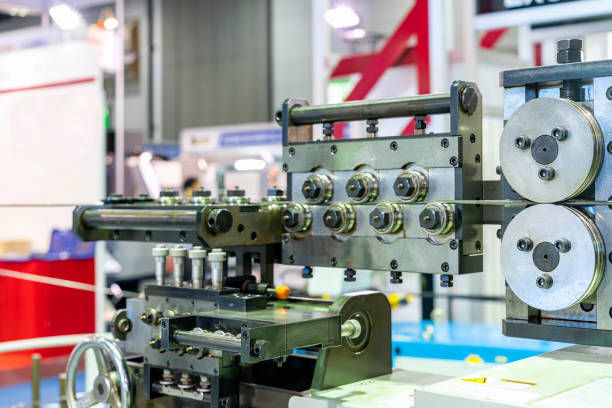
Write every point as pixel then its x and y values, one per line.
pixel 111 23
pixel 355 34
pixel 341 17
pixel 249 164
pixel 65 17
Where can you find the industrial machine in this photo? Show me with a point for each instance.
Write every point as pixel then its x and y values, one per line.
pixel 396 203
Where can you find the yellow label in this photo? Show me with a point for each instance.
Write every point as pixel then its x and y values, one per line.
pixel 518 382
pixel 479 380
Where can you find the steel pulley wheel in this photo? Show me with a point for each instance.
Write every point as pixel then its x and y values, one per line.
pixel 111 386
pixel 552 256
pixel 551 150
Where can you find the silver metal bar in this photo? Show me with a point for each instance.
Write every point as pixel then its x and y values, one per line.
pixel 197 255
pixel 208 340
pixel 169 220
pixel 159 253
pixel 36 380
pixel 361 110
pixel 178 253
pixel 216 258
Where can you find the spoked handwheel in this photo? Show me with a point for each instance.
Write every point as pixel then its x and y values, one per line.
pixel 112 385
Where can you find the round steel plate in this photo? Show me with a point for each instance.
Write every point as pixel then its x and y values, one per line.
pixel 576 161
pixel 575 274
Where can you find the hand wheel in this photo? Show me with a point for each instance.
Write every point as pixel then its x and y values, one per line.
pixel 111 386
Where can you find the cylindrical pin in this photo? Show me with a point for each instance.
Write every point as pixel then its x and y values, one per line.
pixel 197 255
pixel 216 258
pixel 178 254
pixel 159 253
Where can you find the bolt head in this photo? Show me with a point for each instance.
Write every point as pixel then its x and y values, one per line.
pixel 311 189
pixel 355 188
pixel 546 173
pixel 332 218
pixel 569 56
pixel 290 218
pixel 522 142
pixel 429 218
pixel 469 100
pixel 403 187
pixel 559 133
pixel 379 219
pixel 569 44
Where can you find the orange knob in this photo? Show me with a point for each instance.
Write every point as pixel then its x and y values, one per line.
pixel 282 292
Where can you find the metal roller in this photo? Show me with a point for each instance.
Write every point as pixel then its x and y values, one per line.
pixel 552 256
pixel 385 108
pixel 551 150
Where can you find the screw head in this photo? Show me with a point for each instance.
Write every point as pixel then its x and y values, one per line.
pixel 290 218
pixel 332 218
pixel 393 264
pixel 468 100
pixel 524 244
pixel 562 245
pixel 544 281
pixel 445 267
pixel 311 189
pixel 379 219
pixel 559 133
pixel 403 187
pixel 355 188
pixel 429 218
pixel 522 142
pixel 546 173
pixel 609 93
pixel 393 146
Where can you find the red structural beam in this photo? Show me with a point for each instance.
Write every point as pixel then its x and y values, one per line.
pixel 355 64
pixel 491 38
pixel 414 24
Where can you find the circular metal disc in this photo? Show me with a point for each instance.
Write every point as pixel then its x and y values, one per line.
pixel 576 273
pixel 576 162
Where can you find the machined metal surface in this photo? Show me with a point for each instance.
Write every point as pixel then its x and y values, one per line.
pixel 540 274
pixel 379 109
pixel 545 168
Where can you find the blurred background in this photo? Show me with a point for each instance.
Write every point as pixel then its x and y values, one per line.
pixel 128 97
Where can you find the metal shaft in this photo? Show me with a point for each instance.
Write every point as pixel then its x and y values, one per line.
pixel 159 253
pixel 35 380
pixel 208 340
pixel 216 258
pixel 169 220
pixel 178 254
pixel 62 390
pixel 197 255
pixel 362 110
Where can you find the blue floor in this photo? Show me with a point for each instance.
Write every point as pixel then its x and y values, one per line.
pixel 21 394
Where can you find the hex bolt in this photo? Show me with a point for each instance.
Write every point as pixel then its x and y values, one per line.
pixel 351 329
pixel 403 186
pixel 160 252
pixel 546 173
pixel 178 254
pixel 379 219
pixel 355 188
pixel 197 255
pixel 311 189
pixel 332 218
pixel 522 142
pixel 524 244
pixel 544 281
pixel 216 259
pixel 429 218
pixel 559 133
pixel 563 245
